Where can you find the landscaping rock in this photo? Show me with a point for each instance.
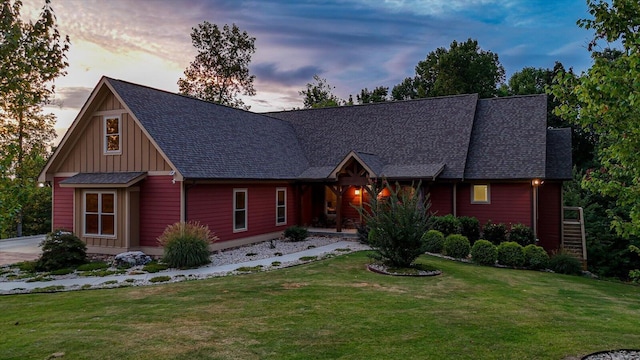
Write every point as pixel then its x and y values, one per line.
pixel 132 258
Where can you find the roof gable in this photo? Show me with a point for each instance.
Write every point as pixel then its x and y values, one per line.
pixel 407 133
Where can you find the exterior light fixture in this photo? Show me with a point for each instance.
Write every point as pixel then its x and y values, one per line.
pixel 357 192
pixel 536 182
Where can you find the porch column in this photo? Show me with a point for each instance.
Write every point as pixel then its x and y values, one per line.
pixel 338 208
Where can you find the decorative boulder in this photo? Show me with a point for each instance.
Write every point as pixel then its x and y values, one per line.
pixel 132 258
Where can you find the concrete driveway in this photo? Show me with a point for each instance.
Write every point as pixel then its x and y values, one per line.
pixel 20 249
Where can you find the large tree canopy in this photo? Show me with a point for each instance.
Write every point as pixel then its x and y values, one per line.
pixel 220 71
pixel 606 101
pixel 32 56
pixel 464 68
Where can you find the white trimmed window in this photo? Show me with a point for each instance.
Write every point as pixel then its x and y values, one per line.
pixel 281 206
pixel 480 194
pixel 239 210
pixel 99 213
pixel 112 135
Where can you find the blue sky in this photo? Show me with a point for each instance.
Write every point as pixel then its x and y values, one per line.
pixel 353 44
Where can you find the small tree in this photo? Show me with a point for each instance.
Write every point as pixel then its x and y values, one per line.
pixel 319 94
pixel 397 223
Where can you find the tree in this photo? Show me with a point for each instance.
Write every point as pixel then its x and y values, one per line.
pixel 319 94
pixel 606 101
pixel 32 56
pixel 462 69
pixel 220 71
pixel 379 94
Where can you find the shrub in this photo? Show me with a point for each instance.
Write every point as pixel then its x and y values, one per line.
pixel 495 233
pixel 97 265
pixel 396 225
pixel 535 257
pixel 433 241
pixel 456 246
pixel 61 250
pixel 447 224
pixel 363 233
pixel 470 227
pixel 564 263
pixel 296 233
pixel 186 245
pixel 483 252
pixel 522 234
pixel 510 254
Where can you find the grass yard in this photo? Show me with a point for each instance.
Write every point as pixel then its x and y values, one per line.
pixel 331 309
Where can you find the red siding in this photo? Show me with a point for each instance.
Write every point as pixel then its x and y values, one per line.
pixel 212 205
pixel 159 207
pixel 549 215
pixel 62 206
pixel 441 197
pixel 510 203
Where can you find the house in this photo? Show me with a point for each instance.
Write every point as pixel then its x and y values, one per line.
pixel 137 159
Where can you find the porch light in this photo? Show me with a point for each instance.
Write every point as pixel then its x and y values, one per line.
pixel 536 182
pixel 357 192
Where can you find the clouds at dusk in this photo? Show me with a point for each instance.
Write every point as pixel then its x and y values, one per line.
pixel 353 44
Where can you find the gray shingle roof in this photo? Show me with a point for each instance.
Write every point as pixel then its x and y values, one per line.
pixel 509 139
pixel 559 162
pixel 415 132
pixel 209 141
pixel 115 178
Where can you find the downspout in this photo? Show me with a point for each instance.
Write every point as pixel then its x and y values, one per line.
pixel 455 199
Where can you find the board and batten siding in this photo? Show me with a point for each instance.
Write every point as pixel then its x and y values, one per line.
pixel 550 215
pixel 510 203
pixel 159 207
pixel 212 205
pixel 62 206
pixel 138 153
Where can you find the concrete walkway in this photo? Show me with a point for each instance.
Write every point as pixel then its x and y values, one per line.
pixel 202 272
pixel 20 249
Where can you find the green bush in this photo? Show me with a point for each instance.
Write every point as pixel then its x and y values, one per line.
pixel 535 257
pixel 363 233
pixel 186 245
pixel 456 246
pixel 522 234
pixel 433 241
pixel 96 265
pixel 396 225
pixel 61 250
pixel 296 233
pixel 510 254
pixel 564 263
pixel 470 227
pixel 495 233
pixel 447 224
pixel 483 252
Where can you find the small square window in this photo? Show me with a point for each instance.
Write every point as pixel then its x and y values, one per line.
pixel 480 194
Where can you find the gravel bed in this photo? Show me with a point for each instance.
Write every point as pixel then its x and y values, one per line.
pixel 614 355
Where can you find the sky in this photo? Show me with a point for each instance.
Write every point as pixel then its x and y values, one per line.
pixel 353 44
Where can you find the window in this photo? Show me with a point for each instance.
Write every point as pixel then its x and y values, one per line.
pixel 239 210
pixel 281 206
pixel 480 194
pixel 100 213
pixel 112 135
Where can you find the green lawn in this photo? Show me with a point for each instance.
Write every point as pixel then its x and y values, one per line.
pixel 331 309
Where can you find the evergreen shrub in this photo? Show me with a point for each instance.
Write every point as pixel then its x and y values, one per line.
pixel 457 246
pixel 535 257
pixel 296 233
pixel 433 241
pixel 61 250
pixel 483 252
pixel 522 234
pixel 447 224
pixel 495 233
pixel 186 245
pixel 564 263
pixel 510 254
pixel 470 227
